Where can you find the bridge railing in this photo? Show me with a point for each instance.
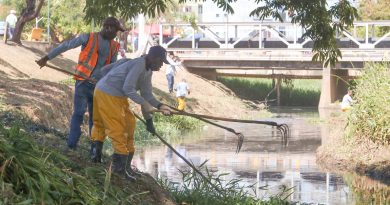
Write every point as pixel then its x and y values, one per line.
pixel 229 34
pixel 281 54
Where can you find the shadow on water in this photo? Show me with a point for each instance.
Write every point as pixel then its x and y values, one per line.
pixel 265 159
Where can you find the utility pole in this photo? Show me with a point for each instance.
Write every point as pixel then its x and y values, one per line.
pixel 48 21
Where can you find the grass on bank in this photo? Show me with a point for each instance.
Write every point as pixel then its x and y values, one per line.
pixel 34 173
pixel 367 191
pixel 169 127
pixel 370 115
pixel 196 191
pixel 293 92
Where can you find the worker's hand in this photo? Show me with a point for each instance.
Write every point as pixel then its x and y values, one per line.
pixel 189 92
pixel 42 62
pixel 147 107
pixel 165 109
pixel 150 126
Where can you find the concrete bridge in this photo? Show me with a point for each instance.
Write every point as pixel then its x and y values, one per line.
pixel 275 50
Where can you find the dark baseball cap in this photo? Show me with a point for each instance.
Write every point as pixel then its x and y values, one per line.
pixel 112 21
pixel 159 52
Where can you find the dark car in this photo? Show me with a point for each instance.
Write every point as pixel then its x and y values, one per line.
pixel 2 27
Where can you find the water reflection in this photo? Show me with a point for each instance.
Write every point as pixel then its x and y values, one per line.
pixel 264 159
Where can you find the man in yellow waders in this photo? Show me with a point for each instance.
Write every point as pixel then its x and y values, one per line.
pixel 112 116
pixel 182 89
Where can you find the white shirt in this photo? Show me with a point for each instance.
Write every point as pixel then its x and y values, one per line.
pixel 11 20
pixel 170 68
pixel 182 89
pixel 347 100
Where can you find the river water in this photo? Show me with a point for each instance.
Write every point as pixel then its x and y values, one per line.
pixel 265 159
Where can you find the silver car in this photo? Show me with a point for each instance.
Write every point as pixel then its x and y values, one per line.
pixel 2 27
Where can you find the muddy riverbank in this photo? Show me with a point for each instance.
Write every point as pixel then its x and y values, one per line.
pixel 358 155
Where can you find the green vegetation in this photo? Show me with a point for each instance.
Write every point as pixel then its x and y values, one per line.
pixel 33 173
pixel 195 191
pixel 66 18
pixel 167 126
pixel 367 191
pixel 373 11
pixel 370 115
pixel 293 92
pixel 315 17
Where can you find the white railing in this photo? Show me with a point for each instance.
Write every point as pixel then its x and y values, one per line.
pixel 228 34
pixel 351 54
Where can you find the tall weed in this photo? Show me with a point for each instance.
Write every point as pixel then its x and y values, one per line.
pixel 33 174
pixel 168 127
pixel 195 190
pixel 370 115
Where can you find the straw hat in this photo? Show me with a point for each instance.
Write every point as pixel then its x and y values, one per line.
pixel 12 12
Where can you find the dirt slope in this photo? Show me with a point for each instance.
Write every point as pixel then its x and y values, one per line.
pixel 18 62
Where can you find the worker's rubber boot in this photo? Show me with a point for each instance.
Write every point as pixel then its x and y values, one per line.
pixel 129 169
pixel 96 151
pixel 119 166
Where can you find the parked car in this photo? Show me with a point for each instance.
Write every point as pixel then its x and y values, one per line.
pixel 2 27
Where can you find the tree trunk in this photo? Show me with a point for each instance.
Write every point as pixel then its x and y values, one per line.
pixel 53 35
pixel 29 13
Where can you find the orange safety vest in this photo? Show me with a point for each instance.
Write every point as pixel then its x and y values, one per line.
pixel 89 55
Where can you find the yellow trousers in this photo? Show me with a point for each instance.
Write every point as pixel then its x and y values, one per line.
pixel 182 103
pixel 112 117
pixel 345 108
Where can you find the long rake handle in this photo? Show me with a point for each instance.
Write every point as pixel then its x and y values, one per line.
pixel 182 157
pixel 223 118
pixel 283 128
pixel 238 134
pixel 70 73
pixel 208 121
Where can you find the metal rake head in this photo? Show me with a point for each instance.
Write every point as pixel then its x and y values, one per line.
pixel 240 141
pixel 284 130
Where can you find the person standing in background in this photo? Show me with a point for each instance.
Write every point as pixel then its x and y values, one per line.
pixel 182 89
pixel 11 21
pixel 170 71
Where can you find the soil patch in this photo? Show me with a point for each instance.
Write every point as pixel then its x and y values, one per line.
pixel 207 97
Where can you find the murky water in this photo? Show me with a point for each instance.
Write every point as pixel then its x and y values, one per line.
pixel 265 159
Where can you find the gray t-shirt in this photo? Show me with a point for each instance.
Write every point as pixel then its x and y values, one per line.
pixel 125 78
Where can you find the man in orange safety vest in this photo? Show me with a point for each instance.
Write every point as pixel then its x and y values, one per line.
pixel 97 50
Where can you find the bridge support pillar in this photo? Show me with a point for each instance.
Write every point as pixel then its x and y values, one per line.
pixel 333 87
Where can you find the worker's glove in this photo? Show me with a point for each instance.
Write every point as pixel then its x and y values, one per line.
pixel 42 62
pixel 150 126
pixel 165 109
